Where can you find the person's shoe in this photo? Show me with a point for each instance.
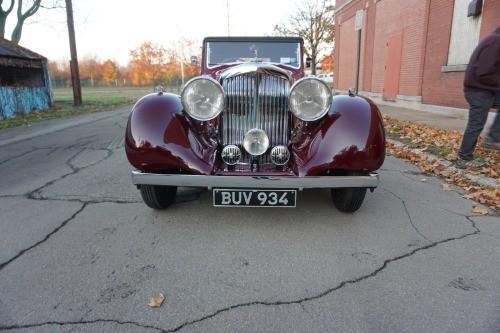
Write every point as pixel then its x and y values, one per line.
pixel 489 143
pixel 462 164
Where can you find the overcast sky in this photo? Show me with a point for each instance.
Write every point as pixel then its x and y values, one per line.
pixel 110 28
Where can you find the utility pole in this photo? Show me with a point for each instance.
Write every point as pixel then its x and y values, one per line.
pixel 75 72
pixel 358 27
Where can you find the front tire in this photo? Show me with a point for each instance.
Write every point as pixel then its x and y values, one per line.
pixel 158 197
pixel 348 200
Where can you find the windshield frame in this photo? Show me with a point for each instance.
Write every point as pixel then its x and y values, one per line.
pixel 270 40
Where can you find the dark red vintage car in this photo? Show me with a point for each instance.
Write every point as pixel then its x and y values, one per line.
pixel 254 130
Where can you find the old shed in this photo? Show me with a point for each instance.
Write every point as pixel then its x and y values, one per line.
pixel 24 81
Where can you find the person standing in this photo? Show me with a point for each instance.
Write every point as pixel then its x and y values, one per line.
pixel 482 92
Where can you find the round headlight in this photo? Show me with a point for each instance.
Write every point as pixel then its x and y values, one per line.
pixel 203 98
pixel 256 142
pixel 310 99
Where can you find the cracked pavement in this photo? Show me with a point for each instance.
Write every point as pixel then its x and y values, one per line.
pixel 80 252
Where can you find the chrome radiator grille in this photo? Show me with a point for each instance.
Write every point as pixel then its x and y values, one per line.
pixel 255 100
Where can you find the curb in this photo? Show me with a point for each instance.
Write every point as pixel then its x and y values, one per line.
pixel 478 179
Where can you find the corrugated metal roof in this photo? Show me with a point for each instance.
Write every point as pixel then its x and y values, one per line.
pixel 9 49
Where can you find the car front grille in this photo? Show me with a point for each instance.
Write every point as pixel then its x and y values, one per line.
pixel 255 100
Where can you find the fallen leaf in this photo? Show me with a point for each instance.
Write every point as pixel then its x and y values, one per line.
pixel 156 301
pixel 479 210
pixel 446 187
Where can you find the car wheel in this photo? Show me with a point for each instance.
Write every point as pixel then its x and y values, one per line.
pixel 348 200
pixel 158 197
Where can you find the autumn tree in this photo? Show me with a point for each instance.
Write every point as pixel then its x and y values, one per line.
pixel 60 73
pixel 109 72
pixel 314 22
pixel 148 63
pixel 327 63
pixel 90 70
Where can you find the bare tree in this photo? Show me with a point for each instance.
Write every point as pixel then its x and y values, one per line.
pixel 21 18
pixel 24 11
pixel 3 16
pixel 314 22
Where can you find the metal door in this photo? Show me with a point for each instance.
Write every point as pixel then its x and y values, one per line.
pixel 392 66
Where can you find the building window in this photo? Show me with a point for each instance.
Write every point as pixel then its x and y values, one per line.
pixel 464 34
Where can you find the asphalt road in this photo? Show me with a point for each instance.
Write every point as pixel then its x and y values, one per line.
pixel 80 252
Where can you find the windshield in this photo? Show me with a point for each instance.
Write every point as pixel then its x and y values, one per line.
pixel 286 53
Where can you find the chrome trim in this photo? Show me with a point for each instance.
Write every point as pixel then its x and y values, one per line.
pixel 255 99
pixel 329 98
pixel 217 84
pixel 299 59
pixel 254 67
pixel 268 182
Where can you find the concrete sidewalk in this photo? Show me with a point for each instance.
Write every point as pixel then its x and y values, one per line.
pixel 456 120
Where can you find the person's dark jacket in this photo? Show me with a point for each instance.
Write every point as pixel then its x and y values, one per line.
pixel 483 71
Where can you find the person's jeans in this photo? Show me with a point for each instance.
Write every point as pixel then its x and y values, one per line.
pixel 480 104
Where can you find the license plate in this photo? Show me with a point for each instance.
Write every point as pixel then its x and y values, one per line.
pixel 254 198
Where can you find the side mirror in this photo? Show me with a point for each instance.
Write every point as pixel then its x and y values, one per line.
pixel 194 60
pixel 308 62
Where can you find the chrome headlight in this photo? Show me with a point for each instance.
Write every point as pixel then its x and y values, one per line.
pixel 310 99
pixel 203 98
pixel 256 142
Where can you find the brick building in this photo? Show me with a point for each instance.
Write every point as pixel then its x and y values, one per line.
pixel 413 52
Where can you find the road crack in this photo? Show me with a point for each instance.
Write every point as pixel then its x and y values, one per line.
pixel 339 286
pixel 46 238
pixel 81 322
pixel 403 202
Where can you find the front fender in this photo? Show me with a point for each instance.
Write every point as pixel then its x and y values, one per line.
pixel 160 138
pixel 350 137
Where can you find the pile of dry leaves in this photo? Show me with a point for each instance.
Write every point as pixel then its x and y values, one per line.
pixel 420 139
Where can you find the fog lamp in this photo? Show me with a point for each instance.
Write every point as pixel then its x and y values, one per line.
pixel 256 142
pixel 280 155
pixel 231 154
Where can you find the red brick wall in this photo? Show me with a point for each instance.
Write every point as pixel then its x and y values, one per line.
pixel 347 59
pixel 491 16
pixel 345 45
pixel 447 88
pixel 381 18
pixel 426 27
pixel 438 87
pixel 408 17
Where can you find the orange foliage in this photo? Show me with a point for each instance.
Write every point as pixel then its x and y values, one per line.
pixel 109 71
pixel 327 63
pixel 150 64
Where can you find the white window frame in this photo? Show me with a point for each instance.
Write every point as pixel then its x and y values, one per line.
pixel 464 35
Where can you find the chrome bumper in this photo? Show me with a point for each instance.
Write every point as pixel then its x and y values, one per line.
pixel 269 182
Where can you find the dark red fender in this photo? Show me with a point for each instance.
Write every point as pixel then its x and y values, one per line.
pixel 351 137
pixel 159 137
